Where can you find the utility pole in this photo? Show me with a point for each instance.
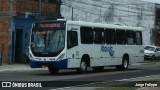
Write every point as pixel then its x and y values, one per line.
pixel 40 7
pixel 72 13
pixel 58 2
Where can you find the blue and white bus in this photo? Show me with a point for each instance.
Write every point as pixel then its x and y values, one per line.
pixel 61 44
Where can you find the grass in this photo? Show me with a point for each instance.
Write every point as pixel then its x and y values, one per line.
pixel 127 86
pixel 150 61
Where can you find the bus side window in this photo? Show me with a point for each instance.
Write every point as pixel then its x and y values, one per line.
pixel 98 35
pixel 138 36
pixel 110 36
pixel 72 39
pixel 130 37
pixel 121 36
pixel 86 35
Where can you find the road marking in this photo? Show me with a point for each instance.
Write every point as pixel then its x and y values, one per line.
pixel 77 88
pixel 61 88
pixel 94 74
pixel 141 78
pixel 81 85
pixel 130 79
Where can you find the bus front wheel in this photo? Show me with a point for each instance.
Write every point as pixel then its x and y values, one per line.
pixel 53 70
pixel 83 67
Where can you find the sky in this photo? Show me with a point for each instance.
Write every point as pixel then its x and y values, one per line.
pixel 154 1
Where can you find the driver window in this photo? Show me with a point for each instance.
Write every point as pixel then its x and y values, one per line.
pixel 72 39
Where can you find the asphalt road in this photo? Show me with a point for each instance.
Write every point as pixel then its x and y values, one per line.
pixel 69 78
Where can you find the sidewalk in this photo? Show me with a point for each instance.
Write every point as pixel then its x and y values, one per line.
pixel 22 67
pixel 18 67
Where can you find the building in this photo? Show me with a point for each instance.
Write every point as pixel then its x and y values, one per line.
pixel 123 12
pixel 156 30
pixel 16 17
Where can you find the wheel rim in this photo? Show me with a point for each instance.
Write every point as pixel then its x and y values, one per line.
pixel 83 65
pixel 125 63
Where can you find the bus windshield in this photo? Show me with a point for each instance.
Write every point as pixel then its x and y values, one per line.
pixel 47 39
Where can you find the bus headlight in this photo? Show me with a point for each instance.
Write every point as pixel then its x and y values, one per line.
pixel 61 57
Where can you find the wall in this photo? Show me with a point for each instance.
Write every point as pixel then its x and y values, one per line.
pixel 19 6
pixel 24 24
pixel 4 5
pixel 33 6
pixel 123 12
pixel 4 38
pixel 4 31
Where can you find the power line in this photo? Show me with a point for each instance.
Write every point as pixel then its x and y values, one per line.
pixel 101 6
pixel 106 3
pixel 109 14
pixel 66 4
pixel 136 6
pixel 138 16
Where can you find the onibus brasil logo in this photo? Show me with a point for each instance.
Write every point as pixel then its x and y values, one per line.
pixel 108 49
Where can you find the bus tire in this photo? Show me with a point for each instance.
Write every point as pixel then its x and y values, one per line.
pixel 100 68
pixel 125 64
pixel 83 67
pixel 53 70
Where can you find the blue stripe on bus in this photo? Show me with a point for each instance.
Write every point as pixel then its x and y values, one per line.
pixel 55 64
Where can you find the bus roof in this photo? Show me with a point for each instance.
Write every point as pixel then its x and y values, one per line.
pixel 90 24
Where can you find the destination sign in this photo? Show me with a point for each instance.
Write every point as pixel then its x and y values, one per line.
pixel 41 33
pixel 49 25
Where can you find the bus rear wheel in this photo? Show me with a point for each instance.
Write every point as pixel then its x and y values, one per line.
pixel 125 64
pixel 53 70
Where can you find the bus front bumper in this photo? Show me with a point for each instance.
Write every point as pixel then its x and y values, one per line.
pixel 54 64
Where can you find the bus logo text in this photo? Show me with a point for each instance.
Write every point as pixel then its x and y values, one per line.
pixel 108 49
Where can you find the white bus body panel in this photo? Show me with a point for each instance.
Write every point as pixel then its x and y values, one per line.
pixel 99 54
pixel 100 57
pixel 73 53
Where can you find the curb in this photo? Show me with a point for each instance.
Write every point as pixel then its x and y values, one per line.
pixel 26 67
pixel 18 67
pixel 146 63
